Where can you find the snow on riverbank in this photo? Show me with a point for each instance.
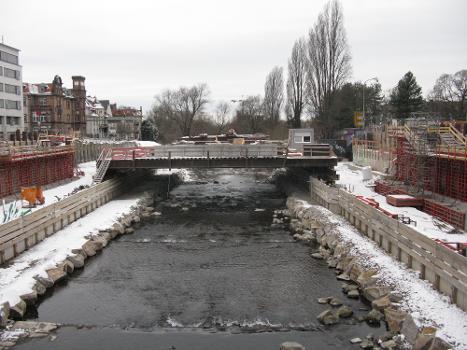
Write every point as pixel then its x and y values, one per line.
pixel 427 306
pixel 56 193
pixel 352 179
pixel 17 278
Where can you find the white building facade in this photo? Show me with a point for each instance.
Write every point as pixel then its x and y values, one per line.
pixel 11 94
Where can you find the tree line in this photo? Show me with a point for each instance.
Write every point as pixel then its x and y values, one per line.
pixel 315 91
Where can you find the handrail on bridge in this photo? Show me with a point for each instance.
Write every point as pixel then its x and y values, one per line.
pixel 213 151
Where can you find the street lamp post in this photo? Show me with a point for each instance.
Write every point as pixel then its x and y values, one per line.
pixel 363 98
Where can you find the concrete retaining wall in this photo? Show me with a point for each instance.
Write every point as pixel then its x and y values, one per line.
pixel 443 268
pixel 379 160
pixel 20 234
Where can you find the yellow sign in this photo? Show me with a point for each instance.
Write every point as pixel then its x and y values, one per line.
pixel 358 119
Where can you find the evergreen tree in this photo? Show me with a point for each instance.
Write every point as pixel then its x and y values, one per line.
pixel 406 97
pixel 148 130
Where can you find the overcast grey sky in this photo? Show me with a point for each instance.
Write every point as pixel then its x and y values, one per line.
pixel 131 50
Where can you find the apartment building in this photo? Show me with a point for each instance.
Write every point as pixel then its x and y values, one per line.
pixel 11 99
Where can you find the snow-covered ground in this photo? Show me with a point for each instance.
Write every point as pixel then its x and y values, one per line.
pixel 53 194
pixel 427 306
pixel 147 143
pixel 351 177
pixel 17 278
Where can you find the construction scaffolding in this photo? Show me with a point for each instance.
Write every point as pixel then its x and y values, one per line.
pixel 427 159
pixel 33 166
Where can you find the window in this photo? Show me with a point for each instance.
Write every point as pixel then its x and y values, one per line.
pixel 1 70
pixel 2 103
pixel 12 120
pixel 307 139
pixel 1 87
pixel 12 104
pixel 12 89
pixel 8 57
pixel 43 101
pixel 11 73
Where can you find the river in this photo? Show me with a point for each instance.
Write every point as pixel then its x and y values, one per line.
pixel 209 273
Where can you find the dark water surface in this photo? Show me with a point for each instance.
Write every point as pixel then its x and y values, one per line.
pixel 209 273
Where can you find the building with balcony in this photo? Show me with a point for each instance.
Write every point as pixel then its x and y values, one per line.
pixel 11 100
pixel 54 109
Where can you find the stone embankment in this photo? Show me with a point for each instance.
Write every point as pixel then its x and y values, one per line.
pixel 126 224
pixel 309 225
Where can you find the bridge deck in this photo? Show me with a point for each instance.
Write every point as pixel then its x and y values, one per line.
pixel 218 156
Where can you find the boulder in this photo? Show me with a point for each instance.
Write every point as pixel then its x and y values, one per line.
pixel 88 248
pixel 17 311
pixel 353 294
pixel 395 297
pixel 409 329
pixel 79 251
pixel 366 278
pixel 118 228
pixel 29 298
pixel 439 344
pixel 367 344
pixel 374 317
pixel 290 345
pixel 47 282
pixel 381 303
pixel 355 271
pixel 375 292
pixel 4 314
pixel 129 230
pixel 344 311
pixel 335 302
pixel 356 340
pixel 39 288
pixel 35 329
pixel 343 277
pixel 324 300
pixel 332 263
pixel 66 266
pixel 56 274
pixel 394 319
pixel 98 243
pixel 77 260
pixel 328 317
pixel 389 345
pixel 425 338
pixel 317 256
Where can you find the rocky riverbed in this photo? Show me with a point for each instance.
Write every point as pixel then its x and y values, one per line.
pixel 214 266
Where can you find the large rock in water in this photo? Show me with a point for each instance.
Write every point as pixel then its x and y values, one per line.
pixel 328 317
pixel 291 345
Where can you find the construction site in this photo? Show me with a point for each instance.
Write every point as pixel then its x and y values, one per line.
pixel 423 161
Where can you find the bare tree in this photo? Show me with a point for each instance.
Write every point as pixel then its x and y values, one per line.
pixel 296 84
pixel 222 116
pixel 452 88
pixel 250 113
pixel 273 95
pixel 180 107
pixel 328 65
